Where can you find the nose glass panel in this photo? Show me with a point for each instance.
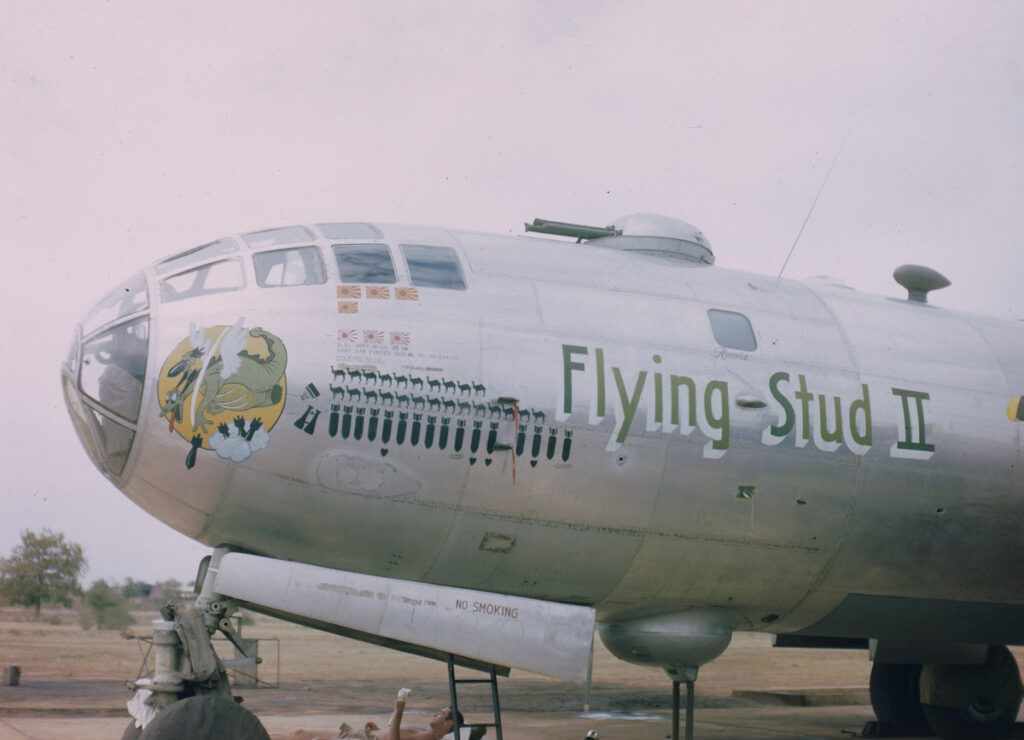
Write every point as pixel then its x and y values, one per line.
pixel 81 416
pixel 105 373
pixel 115 441
pixel 128 298
pixel 108 442
pixel 114 367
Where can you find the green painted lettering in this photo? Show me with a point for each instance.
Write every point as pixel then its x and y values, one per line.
pixel 830 435
pixel 787 408
pixel 568 366
pixel 629 403
pixel 657 393
pixel 863 407
pixel 805 400
pixel 911 441
pixel 720 422
pixel 691 403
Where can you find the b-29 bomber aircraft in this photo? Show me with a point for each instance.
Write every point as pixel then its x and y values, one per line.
pixel 478 447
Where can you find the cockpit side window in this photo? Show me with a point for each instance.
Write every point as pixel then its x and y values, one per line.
pixel 287 267
pixel 732 330
pixel 364 263
pixel 434 267
pixel 216 277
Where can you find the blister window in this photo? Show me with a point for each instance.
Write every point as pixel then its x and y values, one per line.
pixel 732 330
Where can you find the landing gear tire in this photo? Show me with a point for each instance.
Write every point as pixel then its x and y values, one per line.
pixel 896 699
pixel 204 718
pixel 131 732
pixel 973 702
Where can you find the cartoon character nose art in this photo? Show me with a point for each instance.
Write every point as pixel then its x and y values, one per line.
pixel 223 389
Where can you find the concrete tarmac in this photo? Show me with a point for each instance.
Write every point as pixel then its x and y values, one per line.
pixel 94 710
pixel 746 723
pixel 90 710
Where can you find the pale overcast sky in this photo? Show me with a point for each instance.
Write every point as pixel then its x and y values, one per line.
pixel 131 129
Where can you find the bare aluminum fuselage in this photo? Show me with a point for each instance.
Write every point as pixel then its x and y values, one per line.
pixel 573 429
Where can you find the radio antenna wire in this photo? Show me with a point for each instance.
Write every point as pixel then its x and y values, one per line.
pixel 811 209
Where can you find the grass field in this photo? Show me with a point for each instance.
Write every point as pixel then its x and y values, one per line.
pixel 325 679
pixel 56 647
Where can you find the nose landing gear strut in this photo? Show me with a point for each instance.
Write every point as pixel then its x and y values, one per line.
pixel 188 694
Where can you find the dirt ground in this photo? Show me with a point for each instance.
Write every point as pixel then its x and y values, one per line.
pixel 71 679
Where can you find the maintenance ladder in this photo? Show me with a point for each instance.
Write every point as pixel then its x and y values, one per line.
pixel 495 706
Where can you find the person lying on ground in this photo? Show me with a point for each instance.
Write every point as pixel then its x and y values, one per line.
pixel 440 724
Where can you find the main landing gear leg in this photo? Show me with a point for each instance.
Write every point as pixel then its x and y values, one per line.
pixel 689 677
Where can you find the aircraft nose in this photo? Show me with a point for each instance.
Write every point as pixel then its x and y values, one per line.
pixel 104 375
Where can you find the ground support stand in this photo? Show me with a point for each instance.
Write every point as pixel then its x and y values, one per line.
pixel 495 705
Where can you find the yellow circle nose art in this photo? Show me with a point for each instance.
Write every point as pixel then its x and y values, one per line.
pixel 225 385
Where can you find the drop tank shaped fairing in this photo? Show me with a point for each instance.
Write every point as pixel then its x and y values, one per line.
pixel 675 641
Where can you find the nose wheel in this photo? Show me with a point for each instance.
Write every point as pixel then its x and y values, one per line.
pixel 206 717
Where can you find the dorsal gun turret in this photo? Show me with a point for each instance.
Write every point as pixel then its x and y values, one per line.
pixel 647 233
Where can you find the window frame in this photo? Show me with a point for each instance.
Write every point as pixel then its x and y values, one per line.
pixel 384 248
pixel 321 276
pixel 419 283
pixel 165 282
pixel 279 236
pixel 725 334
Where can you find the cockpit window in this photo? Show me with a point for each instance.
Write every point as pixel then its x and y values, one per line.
pixel 732 330
pixel 216 277
pixel 127 298
pixel 114 367
pixel 278 237
pixel 350 231
pixel 364 263
pixel 284 267
pixel 433 267
pixel 197 254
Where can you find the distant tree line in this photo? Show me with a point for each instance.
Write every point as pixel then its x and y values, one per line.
pixel 45 570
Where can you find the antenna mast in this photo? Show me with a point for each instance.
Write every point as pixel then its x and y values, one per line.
pixel 811 210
